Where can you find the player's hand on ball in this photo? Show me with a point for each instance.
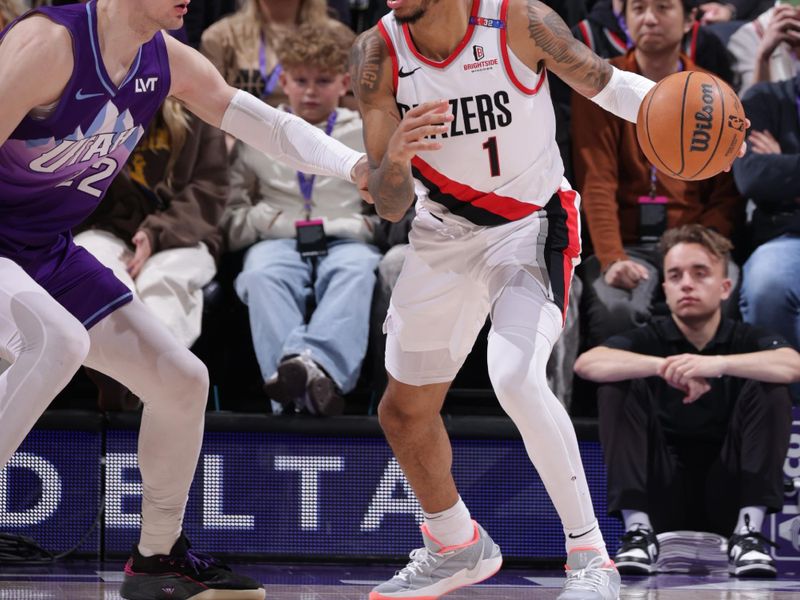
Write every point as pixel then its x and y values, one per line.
pixel 409 139
pixel 625 274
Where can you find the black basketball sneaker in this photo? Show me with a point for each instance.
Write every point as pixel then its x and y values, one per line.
pixel 748 555
pixel 638 553
pixel 185 575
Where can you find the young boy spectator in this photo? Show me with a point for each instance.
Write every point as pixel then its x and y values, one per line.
pixel 627 203
pixel 769 175
pixel 307 361
pixel 695 414
pixel 244 45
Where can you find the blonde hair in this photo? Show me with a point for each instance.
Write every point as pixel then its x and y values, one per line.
pixel 325 46
pixel 176 120
pixel 10 10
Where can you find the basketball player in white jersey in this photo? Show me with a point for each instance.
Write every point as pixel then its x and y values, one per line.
pixel 102 70
pixel 457 111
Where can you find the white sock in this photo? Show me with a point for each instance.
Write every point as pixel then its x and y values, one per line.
pixel 636 519
pixel 750 519
pixel 451 527
pixel 588 536
pixel 146 552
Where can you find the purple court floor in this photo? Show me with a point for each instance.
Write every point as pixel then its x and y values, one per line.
pixel 90 581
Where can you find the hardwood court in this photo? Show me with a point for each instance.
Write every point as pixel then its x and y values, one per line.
pixel 84 581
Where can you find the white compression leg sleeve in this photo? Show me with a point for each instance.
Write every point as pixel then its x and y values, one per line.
pixel 287 138
pixel 134 348
pixel 45 345
pixel 623 94
pixel 525 325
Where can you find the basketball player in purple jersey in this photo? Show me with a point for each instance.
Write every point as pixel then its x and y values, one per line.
pixel 78 86
pixel 457 114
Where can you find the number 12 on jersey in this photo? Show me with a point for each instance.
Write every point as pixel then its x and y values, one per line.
pixel 490 146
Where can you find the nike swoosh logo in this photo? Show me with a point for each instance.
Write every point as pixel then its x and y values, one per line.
pixel 580 535
pixel 81 96
pixel 402 73
pixel 473 572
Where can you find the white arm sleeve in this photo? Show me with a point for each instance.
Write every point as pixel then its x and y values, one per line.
pixel 287 138
pixel 623 94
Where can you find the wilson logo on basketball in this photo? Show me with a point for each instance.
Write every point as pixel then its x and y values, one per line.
pixel 703 120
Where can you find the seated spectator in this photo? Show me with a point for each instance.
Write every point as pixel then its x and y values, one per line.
pixel 695 416
pixel 243 46
pixel 767 49
pixel 769 174
pixel 307 360
pixel 157 228
pixel 604 31
pixel 626 202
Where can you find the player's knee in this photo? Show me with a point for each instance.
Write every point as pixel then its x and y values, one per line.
pixel 190 379
pixel 70 341
pixel 395 414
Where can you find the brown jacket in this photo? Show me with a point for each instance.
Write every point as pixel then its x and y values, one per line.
pixel 611 173
pixel 177 214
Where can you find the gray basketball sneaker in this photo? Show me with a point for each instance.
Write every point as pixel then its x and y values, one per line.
pixel 436 570
pixel 589 577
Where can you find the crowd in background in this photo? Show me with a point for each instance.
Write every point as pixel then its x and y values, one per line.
pixel 202 229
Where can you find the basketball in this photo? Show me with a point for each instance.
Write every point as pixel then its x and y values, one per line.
pixel 691 125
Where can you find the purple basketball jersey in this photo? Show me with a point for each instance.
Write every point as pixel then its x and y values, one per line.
pixel 54 171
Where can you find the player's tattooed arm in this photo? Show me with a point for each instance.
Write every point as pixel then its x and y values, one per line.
pixel 390 183
pixel 570 59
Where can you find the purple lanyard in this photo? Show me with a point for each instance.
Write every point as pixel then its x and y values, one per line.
pixel 270 78
pixel 652 181
pixel 307 181
pixel 797 101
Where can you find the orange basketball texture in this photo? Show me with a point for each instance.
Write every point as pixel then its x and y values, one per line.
pixel 691 125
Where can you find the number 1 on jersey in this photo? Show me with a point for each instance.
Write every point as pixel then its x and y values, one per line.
pixel 494 159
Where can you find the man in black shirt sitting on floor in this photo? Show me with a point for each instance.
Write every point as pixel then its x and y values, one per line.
pixel 695 414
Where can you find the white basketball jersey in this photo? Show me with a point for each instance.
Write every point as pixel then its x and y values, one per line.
pixel 499 161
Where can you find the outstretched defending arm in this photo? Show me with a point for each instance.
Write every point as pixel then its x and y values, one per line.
pixel 391 142
pixel 542 39
pixel 278 134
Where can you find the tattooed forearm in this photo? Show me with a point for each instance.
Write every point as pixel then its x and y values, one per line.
pixel 366 58
pixel 392 188
pixel 575 63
